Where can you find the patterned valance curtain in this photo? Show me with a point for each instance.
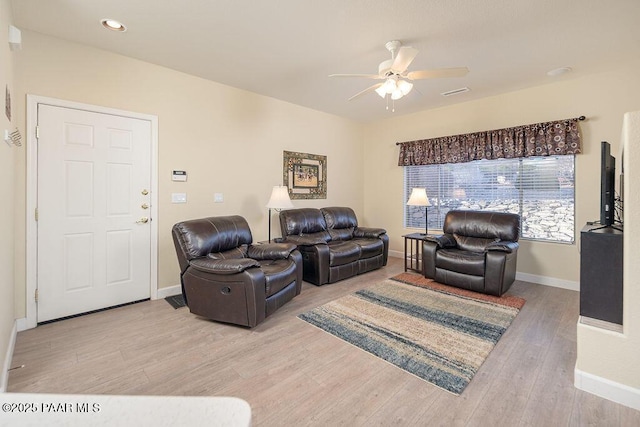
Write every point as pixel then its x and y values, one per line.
pixel 540 139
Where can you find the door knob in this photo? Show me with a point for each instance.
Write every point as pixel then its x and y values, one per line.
pixel 142 220
pixel 144 206
pixel 145 192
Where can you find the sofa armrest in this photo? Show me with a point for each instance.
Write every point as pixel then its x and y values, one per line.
pixel 443 240
pixel 224 266
pixel 271 251
pixel 429 249
pixel 503 246
pixel 305 240
pixel 500 271
pixel 369 232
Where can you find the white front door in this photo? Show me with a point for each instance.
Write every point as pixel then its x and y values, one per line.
pixel 93 231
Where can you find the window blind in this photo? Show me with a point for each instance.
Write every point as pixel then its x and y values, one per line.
pixel 539 189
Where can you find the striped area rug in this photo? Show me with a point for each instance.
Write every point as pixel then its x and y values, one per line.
pixel 438 333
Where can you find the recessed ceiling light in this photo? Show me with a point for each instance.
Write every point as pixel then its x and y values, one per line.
pixel 557 71
pixel 113 25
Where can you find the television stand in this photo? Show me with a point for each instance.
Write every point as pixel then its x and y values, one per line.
pixel 606 226
pixel 601 273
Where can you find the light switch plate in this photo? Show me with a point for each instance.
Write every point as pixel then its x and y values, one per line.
pixel 218 198
pixel 178 197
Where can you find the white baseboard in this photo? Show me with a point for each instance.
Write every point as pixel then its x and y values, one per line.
pixel 396 254
pixel 549 281
pixel 607 389
pixel 23 325
pixel 169 291
pixel 7 358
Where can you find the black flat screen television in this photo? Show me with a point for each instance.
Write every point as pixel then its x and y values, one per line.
pixel 607 185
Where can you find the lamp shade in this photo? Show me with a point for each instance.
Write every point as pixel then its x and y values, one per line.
pixel 405 87
pixel 279 198
pixel 418 197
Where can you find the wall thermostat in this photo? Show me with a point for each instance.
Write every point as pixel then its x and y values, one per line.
pixel 179 176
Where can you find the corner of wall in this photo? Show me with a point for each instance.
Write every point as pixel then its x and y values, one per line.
pixel 4 375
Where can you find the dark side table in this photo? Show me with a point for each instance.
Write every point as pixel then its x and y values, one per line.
pixel 413 251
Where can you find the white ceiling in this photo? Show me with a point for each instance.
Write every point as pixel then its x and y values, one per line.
pixel 287 48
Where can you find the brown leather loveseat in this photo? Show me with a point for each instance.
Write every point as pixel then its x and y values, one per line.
pixel 478 251
pixel 333 247
pixel 227 278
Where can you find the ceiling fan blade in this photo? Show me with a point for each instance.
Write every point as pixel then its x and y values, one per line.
pixel 368 76
pixel 404 57
pixel 367 90
pixel 438 73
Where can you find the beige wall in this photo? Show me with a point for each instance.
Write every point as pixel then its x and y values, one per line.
pixel 602 98
pixel 229 141
pixel 8 172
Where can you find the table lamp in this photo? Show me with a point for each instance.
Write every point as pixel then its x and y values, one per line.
pixel 279 200
pixel 419 198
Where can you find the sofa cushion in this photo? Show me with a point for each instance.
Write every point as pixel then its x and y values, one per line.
pixel 235 253
pixel 460 261
pixel 343 252
pixel 484 224
pixel 339 217
pixel 341 221
pixel 302 221
pixel 369 247
pixel 341 233
pixel 200 237
pixel 278 275
pixel 224 266
pixel 473 244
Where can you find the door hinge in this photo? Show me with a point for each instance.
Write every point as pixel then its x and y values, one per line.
pixel 37 132
pixel 36 214
pixel 36 295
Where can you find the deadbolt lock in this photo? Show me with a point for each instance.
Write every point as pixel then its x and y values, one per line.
pixel 144 206
pixel 145 192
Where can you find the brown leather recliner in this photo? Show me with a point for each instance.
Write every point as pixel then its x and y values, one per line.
pixel 226 278
pixel 478 251
pixel 333 247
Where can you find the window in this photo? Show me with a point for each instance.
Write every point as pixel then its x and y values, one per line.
pixel 540 189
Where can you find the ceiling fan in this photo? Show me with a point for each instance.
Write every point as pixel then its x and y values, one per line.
pixel 396 80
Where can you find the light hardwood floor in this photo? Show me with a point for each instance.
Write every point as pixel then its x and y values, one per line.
pixel 294 374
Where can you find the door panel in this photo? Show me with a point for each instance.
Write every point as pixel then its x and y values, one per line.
pixel 92 170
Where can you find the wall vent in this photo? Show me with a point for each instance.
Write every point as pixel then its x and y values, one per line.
pixel 455 91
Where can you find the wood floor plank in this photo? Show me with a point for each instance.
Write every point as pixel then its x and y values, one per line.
pixel 294 374
pixel 590 410
pixel 554 390
pixel 407 407
pixel 371 392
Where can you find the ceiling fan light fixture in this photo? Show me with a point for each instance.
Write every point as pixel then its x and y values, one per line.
pixel 394 79
pixel 405 86
pixel 397 94
pixel 390 85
